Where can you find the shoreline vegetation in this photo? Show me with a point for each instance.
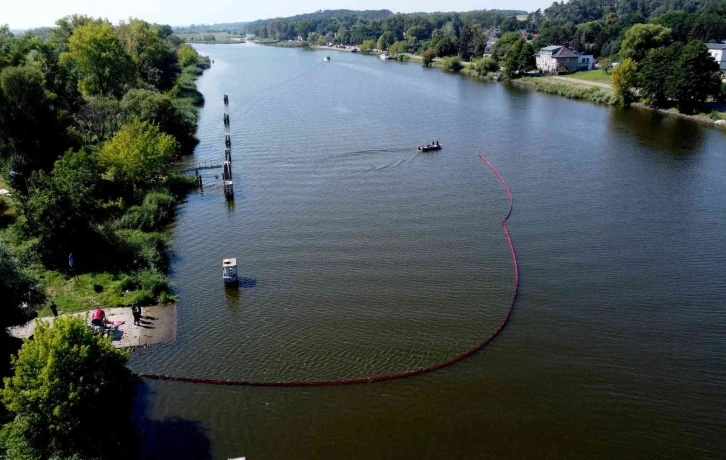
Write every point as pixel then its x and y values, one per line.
pixel 217 38
pixel 654 54
pixel 103 191
pixel 583 90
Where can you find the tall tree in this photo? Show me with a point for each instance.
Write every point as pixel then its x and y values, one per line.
pixel 520 58
pixel 624 80
pixel 655 73
pixel 156 61
pixel 32 131
pixel 696 77
pixel 70 397
pixel 62 210
pixel 641 38
pixel 103 64
pixel 138 154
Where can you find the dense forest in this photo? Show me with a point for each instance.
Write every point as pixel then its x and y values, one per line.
pixel 91 116
pixel 597 26
pixel 610 30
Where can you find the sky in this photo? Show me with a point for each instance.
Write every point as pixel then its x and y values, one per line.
pixel 26 14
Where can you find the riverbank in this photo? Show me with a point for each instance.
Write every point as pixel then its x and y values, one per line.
pixel 571 88
pixel 157 325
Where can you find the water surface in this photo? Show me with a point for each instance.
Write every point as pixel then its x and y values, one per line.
pixel 361 256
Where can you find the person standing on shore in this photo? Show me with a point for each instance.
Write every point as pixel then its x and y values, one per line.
pixel 54 308
pixel 136 311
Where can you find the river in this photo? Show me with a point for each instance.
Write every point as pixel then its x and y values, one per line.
pixel 360 256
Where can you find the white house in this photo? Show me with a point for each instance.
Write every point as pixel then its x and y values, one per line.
pixel 585 62
pixel 555 58
pixel 718 53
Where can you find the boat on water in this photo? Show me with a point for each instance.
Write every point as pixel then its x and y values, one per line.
pixel 430 147
pixel 327 59
pixel 384 55
pixel 229 271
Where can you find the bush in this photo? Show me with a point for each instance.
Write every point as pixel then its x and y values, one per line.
pixel 156 210
pixel 479 68
pixel 428 57
pixel 179 184
pixel 452 64
pixel 144 250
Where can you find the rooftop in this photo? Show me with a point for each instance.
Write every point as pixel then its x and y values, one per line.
pixel 716 46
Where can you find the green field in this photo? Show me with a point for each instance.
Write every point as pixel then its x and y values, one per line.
pixel 592 75
pixel 212 37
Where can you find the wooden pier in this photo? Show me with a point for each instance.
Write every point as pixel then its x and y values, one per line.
pixel 201 166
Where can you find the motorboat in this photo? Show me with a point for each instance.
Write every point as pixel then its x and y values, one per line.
pixel 229 271
pixel 429 147
pixel 327 59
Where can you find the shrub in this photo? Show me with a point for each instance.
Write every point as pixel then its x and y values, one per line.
pixel 179 184
pixel 144 250
pixel 452 64
pixel 428 57
pixel 156 210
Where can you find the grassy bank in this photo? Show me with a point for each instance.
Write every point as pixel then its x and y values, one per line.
pixel 88 290
pixel 592 75
pixel 221 38
pixel 592 94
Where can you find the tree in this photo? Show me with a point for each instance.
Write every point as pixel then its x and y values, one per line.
pixel 386 38
pixel 31 129
pixel 655 73
pixel 17 286
pixel 187 55
pixel 482 66
pixel 156 62
pixel 367 46
pixel 62 209
pixel 98 118
pixel 452 64
pixel 428 57
pixel 138 154
pixel 696 77
pixel 641 38
pixel 104 66
pixel 519 58
pixel 501 47
pixel 159 109
pixel 71 395
pixel 624 80
pixel 605 64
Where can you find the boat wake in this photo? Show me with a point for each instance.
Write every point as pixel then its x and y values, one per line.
pixel 401 161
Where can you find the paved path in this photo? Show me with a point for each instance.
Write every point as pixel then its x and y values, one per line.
pixel 158 325
pixel 582 82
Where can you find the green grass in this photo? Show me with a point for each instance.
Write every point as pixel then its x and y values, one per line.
pixel 573 91
pixel 596 75
pixel 89 290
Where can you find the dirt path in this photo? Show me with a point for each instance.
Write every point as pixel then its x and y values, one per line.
pixel 158 325
pixel 581 82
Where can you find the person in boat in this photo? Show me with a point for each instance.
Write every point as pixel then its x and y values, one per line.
pixel 98 318
pixel 437 143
